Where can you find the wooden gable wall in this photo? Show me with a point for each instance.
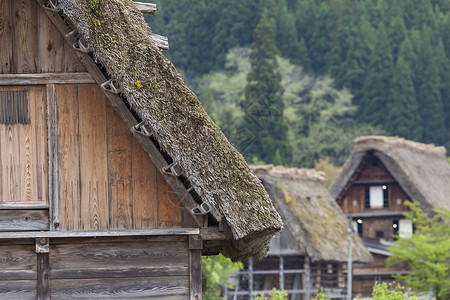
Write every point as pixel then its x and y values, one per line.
pixel 103 178
pixel 30 43
pixel 106 180
pixel 372 174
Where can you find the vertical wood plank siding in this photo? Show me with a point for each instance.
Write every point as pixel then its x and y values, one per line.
pixel 23 152
pixel 106 179
pixel 30 43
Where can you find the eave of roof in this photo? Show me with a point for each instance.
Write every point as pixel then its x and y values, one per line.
pixel 121 42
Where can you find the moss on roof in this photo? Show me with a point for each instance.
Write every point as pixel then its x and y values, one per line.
pixel 121 42
pixel 310 213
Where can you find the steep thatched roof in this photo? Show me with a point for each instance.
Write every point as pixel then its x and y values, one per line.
pixel 420 169
pixel 121 43
pixel 310 213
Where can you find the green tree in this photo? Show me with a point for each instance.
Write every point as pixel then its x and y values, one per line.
pixel 373 106
pixel 264 130
pixel 218 270
pixel 427 85
pixel 403 108
pixel 427 252
pixel 397 33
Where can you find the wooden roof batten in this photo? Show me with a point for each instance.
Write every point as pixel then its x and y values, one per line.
pixel 112 93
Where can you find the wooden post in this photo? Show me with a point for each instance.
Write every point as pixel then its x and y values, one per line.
pixel 250 277
pixel 195 266
pixel 281 272
pixel 43 268
pixel 307 279
pixel 52 143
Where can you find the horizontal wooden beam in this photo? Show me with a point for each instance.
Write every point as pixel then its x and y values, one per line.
pixel 90 234
pixel 24 205
pixel 145 8
pixel 21 220
pixel 213 234
pixel 45 78
pixel 377 214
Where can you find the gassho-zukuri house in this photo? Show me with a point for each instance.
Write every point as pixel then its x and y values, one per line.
pixel 114 181
pixel 372 187
pixel 311 252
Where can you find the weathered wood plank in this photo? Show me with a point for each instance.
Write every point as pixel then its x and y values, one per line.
pixel 16 220
pixel 18 289
pixel 195 274
pixel 68 157
pixel 43 277
pixel 52 142
pixel 67 234
pixel 19 261
pixel 45 78
pixel 24 32
pixel 146 8
pixel 118 272
pixel 169 207
pixel 144 175
pixel 23 149
pixel 71 62
pixel 213 234
pixel 24 205
pixel 50 55
pixel 5 37
pixel 119 171
pixel 93 158
pixel 122 288
pixel 113 255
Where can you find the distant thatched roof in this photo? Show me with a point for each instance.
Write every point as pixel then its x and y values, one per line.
pixel 120 40
pixel 420 169
pixel 310 213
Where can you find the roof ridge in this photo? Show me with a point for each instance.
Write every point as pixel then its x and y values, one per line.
pixel 401 142
pixel 291 173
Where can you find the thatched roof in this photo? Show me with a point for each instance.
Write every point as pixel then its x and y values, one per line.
pixel 309 212
pixel 420 169
pixel 121 43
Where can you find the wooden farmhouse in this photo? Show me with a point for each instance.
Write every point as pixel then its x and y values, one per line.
pixel 113 181
pixel 372 187
pixel 311 252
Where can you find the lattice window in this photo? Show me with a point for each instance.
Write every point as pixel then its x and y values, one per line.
pixel 14 107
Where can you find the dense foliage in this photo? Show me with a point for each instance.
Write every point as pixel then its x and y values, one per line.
pixel 427 252
pixel 391 55
pixel 217 270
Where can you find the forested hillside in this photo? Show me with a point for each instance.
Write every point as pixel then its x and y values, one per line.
pixel 344 68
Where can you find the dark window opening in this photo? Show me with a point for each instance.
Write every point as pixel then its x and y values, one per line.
pixel 14 107
pixel 360 229
pixel 395 229
pixel 367 197
pixel 375 161
pixel 385 196
pixel 379 234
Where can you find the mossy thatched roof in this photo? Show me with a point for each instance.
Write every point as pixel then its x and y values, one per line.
pixel 421 170
pixel 121 43
pixel 309 212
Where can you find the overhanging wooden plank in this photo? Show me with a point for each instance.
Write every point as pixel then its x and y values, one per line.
pixel 45 78
pixel 146 8
pixel 87 234
pixel 119 106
